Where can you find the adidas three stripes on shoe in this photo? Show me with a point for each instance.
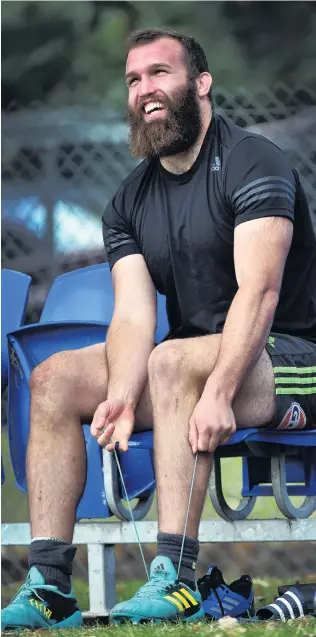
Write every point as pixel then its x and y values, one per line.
pixel 162 598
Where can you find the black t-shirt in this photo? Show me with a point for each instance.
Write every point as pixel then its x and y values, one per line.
pixel 183 225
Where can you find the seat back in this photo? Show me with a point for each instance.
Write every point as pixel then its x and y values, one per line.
pixel 14 294
pixel 162 319
pixel 86 294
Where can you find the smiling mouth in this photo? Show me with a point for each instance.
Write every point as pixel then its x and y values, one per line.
pixel 152 108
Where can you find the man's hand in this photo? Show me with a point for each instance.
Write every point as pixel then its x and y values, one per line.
pixel 113 422
pixel 211 423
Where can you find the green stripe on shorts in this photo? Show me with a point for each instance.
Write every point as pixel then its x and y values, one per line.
pixel 295 390
pixel 294 370
pixel 287 380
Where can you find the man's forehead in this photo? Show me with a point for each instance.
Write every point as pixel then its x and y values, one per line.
pixel 162 51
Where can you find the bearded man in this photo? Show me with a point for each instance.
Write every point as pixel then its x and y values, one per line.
pixel 215 218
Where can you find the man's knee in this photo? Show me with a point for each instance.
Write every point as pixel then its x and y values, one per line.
pixel 53 375
pixel 167 364
pixel 184 361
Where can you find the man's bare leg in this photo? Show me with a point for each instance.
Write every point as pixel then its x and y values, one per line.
pixel 178 371
pixel 65 389
pixel 62 390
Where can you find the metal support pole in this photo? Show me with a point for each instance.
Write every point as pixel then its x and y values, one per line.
pixel 102 588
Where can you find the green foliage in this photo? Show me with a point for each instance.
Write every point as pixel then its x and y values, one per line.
pixel 67 52
pixel 13 501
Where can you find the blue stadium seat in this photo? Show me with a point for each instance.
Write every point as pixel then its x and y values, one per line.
pixel 14 294
pixel 77 313
pixel 15 288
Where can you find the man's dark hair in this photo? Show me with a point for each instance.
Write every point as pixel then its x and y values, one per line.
pixel 196 57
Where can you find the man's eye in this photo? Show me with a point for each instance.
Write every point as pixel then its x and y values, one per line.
pixel 132 81
pixel 159 71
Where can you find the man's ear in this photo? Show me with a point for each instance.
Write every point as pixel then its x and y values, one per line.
pixel 204 83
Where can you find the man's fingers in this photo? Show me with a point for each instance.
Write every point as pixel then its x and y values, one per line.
pixel 203 440
pixel 100 423
pixel 119 437
pixel 209 440
pixel 213 443
pixel 99 419
pixel 193 436
pixel 123 444
pixel 218 437
pixel 105 437
pixel 107 412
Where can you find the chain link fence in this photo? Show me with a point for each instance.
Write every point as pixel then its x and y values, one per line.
pixel 59 169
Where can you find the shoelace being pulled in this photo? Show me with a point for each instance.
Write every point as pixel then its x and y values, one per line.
pixel 154 585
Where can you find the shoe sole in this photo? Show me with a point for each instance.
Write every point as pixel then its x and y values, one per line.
pixel 140 619
pixel 74 621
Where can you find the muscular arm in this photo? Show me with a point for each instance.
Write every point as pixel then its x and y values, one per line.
pixel 260 250
pixel 130 338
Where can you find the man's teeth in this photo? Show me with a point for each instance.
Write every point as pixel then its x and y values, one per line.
pixel 152 106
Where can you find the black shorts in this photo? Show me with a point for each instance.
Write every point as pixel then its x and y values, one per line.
pixel 294 366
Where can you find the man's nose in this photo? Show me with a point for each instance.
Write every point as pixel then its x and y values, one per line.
pixel 146 86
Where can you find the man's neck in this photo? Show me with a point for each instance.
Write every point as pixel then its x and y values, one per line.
pixel 182 162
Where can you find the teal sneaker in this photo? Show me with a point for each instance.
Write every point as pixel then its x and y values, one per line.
pixel 40 605
pixel 163 598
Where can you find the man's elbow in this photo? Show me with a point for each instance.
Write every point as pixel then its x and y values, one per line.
pixel 262 294
pixel 269 297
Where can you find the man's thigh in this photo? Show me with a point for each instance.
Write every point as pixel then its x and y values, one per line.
pixel 255 403
pixel 84 374
pixel 269 396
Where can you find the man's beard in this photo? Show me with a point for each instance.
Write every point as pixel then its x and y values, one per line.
pixel 173 134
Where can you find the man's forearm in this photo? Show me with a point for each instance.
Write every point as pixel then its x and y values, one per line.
pixel 245 333
pixel 128 347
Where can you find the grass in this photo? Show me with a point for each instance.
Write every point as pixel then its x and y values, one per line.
pixel 297 628
pixel 265 592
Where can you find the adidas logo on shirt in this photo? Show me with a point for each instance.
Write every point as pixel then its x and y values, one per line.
pixel 216 164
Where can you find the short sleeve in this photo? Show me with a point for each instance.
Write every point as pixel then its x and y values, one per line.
pixel 118 235
pixel 260 181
